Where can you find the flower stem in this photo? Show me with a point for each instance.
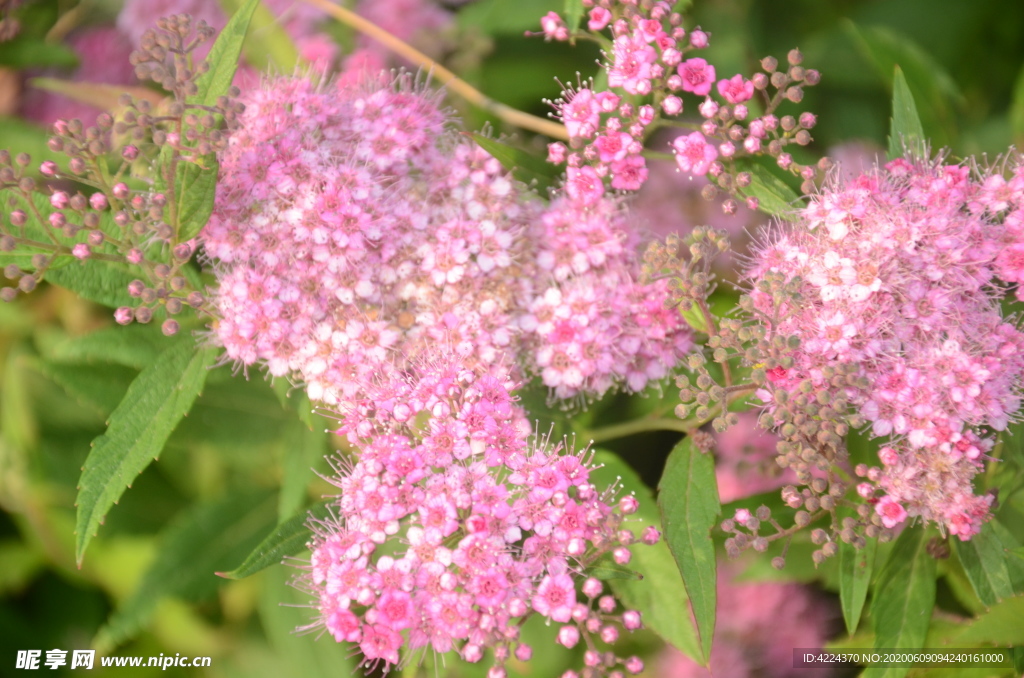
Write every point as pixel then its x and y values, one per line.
pixel 448 79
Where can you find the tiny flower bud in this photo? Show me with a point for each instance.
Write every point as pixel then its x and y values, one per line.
pixel 568 636
pixel 98 201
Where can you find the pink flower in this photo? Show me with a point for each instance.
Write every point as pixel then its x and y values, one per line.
pixel 697 74
pixel 693 153
pixel 580 114
pixel 598 18
pixel 1010 263
pixel 736 89
pixel 555 597
pixel 583 185
pixel 891 511
pixel 553 26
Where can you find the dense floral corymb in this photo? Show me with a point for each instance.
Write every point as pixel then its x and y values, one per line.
pixel 352 224
pixel 900 274
pixel 453 526
pixel 651 66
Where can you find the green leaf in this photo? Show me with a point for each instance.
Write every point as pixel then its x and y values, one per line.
pixel 133 346
pixel 1017 111
pixel 155 403
pixel 26 51
pixel 688 498
pixel 196 185
pixel 100 387
pixel 855 568
pixel 987 560
pixel 655 563
pixel 525 167
pixel 773 195
pixel 695 319
pixel 287 539
pixel 18 424
pixel 304 448
pixel 933 87
pixel 906 131
pixel 268 45
pixel 1001 625
pixel 193 547
pixel 99 281
pixel 223 57
pixel 572 13
pixel 903 598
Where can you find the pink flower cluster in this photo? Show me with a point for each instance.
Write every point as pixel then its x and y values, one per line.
pixel 453 527
pixel 352 225
pixel 590 324
pixel 900 272
pixel 650 56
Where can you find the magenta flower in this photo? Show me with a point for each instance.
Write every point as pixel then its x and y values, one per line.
pixel 694 154
pixel 698 76
pixel 736 89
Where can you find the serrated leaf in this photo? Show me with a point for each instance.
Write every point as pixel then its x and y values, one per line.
pixel 902 599
pixel 223 57
pixel 906 131
pixel 304 447
pixel 154 404
pixel 524 167
pixel 133 346
pixel 670 621
pixel 986 557
pixel 193 547
pixel 855 569
pixel 196 185
pixel 774 197
pixel 287 539
pixel 101 387
pixel 98 281
pixel 688 498
pixel 1000 625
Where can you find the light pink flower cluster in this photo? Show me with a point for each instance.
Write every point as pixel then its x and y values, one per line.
pixel 590 324
pixel 900 270
pixel 651 55
pixel 454 526
pixel 352 225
